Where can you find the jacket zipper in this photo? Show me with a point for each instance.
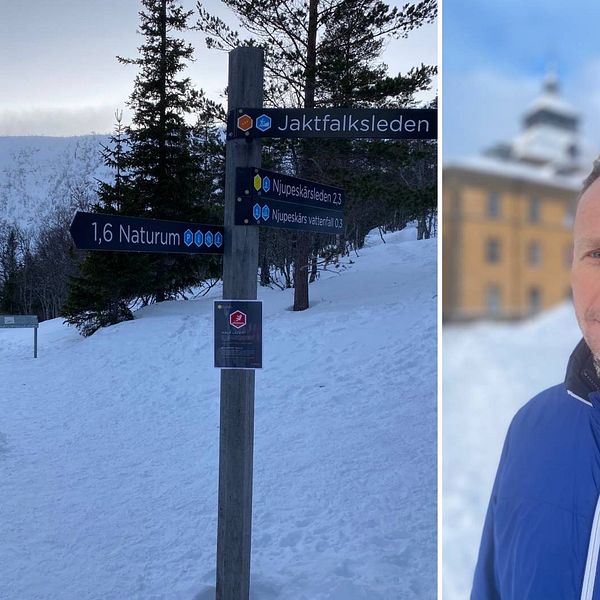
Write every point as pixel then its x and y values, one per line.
pixel 591 563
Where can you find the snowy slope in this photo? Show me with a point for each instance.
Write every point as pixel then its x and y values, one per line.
pixel 39 174
pixel 489 371
pixel 109 446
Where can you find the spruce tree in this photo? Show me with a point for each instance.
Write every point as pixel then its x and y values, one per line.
pixel 162 167
pixel 107 281
pixel 161 163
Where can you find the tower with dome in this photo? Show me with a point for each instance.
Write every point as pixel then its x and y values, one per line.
pixel 507 215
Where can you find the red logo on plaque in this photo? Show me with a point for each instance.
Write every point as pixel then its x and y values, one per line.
pixel 237 319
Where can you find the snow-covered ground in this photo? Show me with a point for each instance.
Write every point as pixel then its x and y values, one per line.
pixel 489 371
pixel 109 446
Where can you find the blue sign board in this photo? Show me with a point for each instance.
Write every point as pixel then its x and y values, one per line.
pixel 286 215
pixel 378 123
pixel 260 184
pixel 97 231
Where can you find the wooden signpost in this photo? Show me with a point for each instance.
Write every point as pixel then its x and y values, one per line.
pixel 236 434
pixel 255 196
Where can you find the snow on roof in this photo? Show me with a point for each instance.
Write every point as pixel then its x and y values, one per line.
pixel 545 144
pixel 551 101
pixel 515 170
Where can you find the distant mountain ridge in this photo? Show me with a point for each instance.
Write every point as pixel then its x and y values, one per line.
pixel 40 174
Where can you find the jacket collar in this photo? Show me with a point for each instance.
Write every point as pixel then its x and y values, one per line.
pixel 581 378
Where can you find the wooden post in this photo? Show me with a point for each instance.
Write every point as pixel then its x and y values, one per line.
pixel 240 267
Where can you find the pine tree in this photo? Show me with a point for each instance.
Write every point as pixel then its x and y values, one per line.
pixel 325 53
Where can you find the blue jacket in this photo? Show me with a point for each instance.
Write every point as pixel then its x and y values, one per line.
pixel 542 531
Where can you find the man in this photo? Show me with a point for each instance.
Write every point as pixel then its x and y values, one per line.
pixel 541 537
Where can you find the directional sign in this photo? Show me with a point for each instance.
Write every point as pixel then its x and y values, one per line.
pixel 287 215
pixel 95 231
pixel 18 321
pixel 380 123
pixel 238 334
pixel 260 184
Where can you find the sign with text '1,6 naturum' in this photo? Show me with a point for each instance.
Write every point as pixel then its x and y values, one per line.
pixel 97 231
pixel 377 123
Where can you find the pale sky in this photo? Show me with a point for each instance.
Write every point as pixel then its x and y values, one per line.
pixel 495 61
pixel 60 76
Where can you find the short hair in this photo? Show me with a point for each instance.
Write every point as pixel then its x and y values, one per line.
pixel 594 174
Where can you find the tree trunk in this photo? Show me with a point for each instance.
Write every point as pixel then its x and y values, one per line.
pixel 302 242
pixel 313 268
pixel 301 272
pixel 265 276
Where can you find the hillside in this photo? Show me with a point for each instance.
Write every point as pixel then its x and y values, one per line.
pixel 39 174
pixel 109 446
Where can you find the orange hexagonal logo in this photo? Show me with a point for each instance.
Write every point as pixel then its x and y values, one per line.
pixel 244 122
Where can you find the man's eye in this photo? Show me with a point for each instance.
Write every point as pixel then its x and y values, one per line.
pixel 595 254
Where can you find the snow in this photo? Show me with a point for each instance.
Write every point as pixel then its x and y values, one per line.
pixel 552 102
pixel 516 170
pixel 546 144
pixel 41 174
pixel 109 445
pixel 489 371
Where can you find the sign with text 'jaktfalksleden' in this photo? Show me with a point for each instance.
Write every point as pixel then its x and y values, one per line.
pixel 379 123
pixel 261 184
pixel 238 334
pixel 96 231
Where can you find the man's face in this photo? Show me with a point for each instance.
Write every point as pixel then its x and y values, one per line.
pixel 585 271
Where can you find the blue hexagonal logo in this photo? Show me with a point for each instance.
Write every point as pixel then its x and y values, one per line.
pixel 218 239
pixel 198 238
pixel 263 122
pixel 256 211
pixel 188 237
pixel 266 184
pixel 266 213
pixel 208 238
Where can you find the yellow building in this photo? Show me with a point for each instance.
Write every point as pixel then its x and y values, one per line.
pixel 507 217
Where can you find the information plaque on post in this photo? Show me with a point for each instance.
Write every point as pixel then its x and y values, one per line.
pixel 238 334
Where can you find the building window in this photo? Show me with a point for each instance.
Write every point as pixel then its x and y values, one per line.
pixel 493 205
pixel 534 210
pixel 535 300
pixel 493 300
pixel 534 254
pixel 492 250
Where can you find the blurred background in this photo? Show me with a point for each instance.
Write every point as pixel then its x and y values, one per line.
pixel 521 129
